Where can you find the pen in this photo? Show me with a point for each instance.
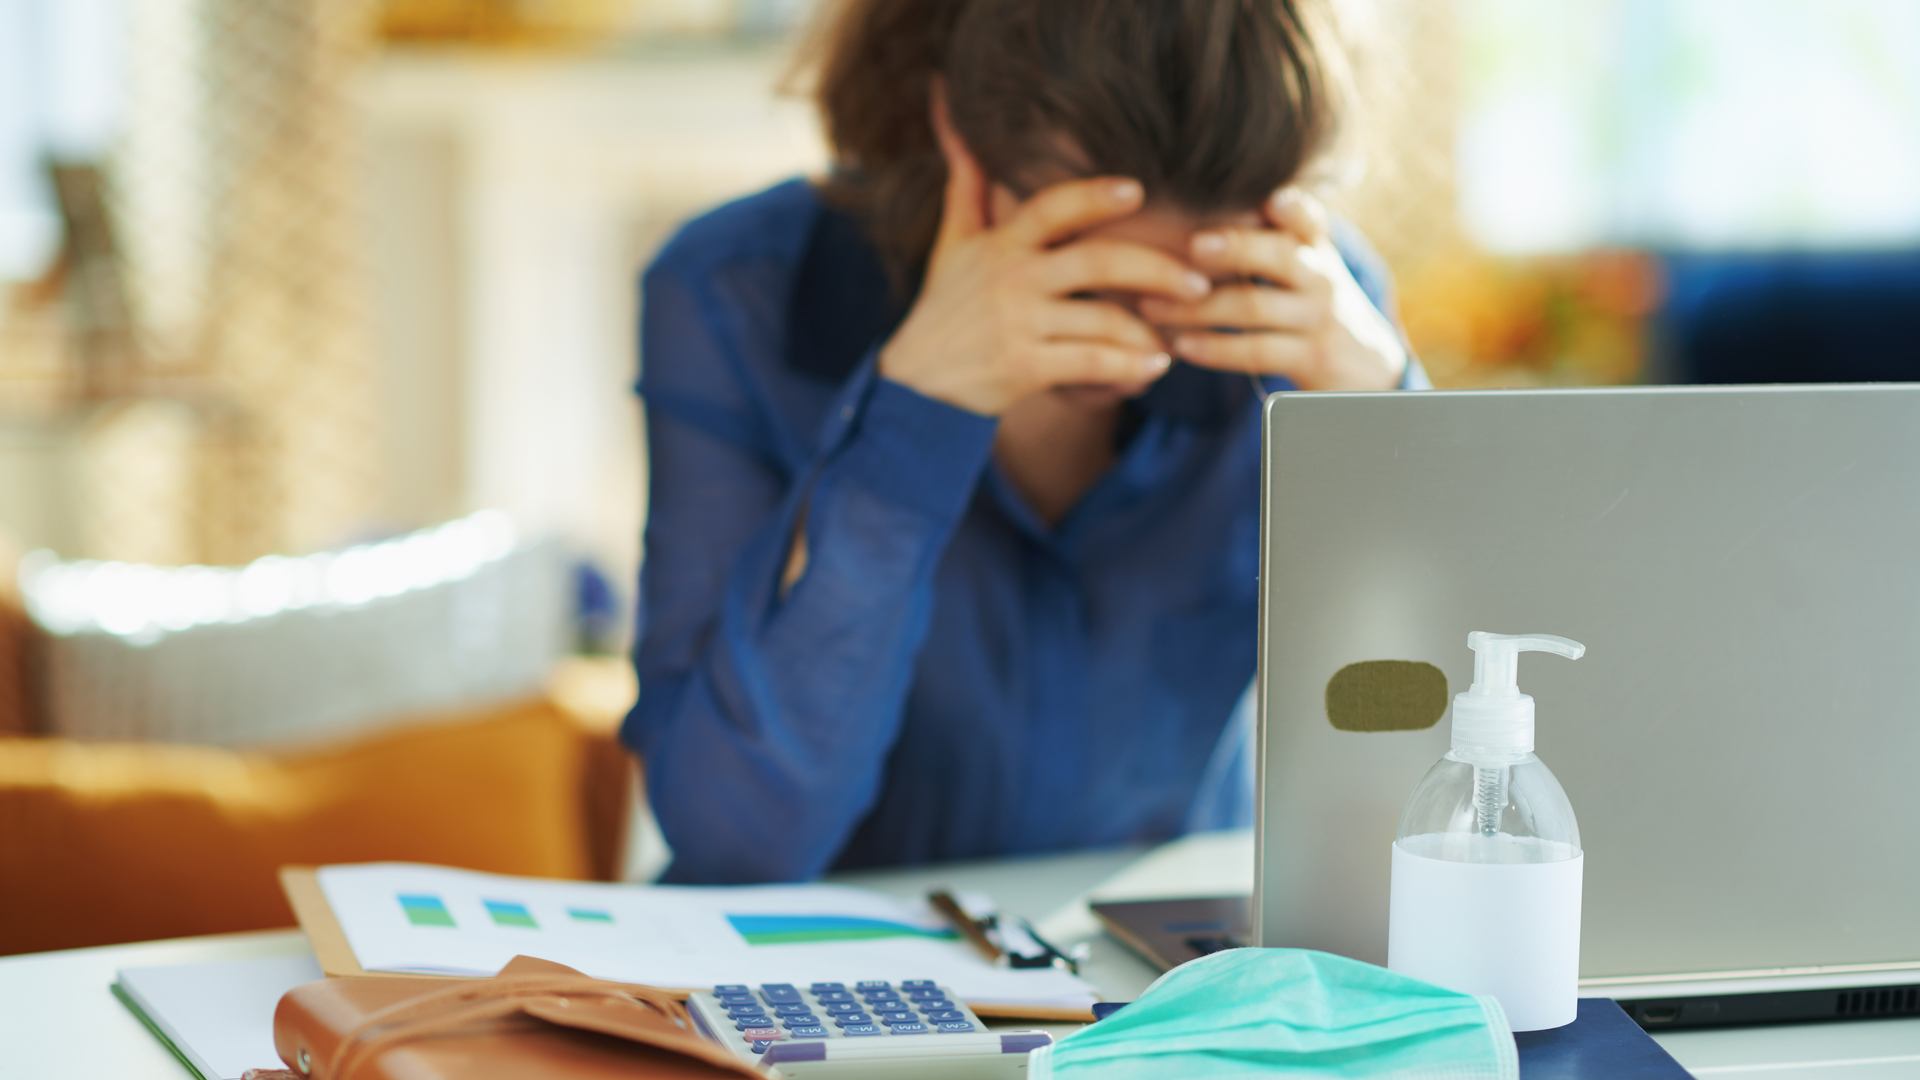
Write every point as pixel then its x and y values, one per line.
pixel 945 904
pixel 1055 955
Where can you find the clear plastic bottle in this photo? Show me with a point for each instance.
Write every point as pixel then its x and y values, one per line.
pixel 1487 863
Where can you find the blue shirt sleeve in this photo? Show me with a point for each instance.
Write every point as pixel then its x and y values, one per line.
pixel 765 720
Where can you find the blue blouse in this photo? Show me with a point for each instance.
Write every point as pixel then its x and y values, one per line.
pixel 951 678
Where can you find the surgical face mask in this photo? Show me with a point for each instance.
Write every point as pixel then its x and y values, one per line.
pixel 1288 1012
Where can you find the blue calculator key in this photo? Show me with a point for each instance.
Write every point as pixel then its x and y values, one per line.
pixel 732 988
pixel 892 1016
pixel 736 999
pixel 791 1022
pixel 912 1027
pixel 881 999
pixel 779 993
pixel 932 1003
pixel 860 1029
pixel 817 987
pixel 842 1008
pixel 748 1023
pixel 800 1009
pixel 911 984
pixel 852 1020
pixel 873 985
pixel 808 1031
pixel 955 1026
pixel 945 1016
pixel 760 1045
pixel 755 1013
pixel 832 995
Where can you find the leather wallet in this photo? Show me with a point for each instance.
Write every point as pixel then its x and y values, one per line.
pixel 535 1018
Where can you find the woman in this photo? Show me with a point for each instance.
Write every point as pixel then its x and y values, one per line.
pixel 946 556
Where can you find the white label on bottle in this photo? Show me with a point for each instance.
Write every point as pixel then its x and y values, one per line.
pixel 1510 929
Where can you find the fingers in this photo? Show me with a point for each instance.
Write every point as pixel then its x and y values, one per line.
pixel 964 213
pixel 1089 320
pixel 1299 213
pixel 1096 265
pixel 1261 353
pixel 1066 363
pixel 1245 307
pixel 1263 253
pixel 1060 211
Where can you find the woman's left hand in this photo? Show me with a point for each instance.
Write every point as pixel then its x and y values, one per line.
pixel 1284 304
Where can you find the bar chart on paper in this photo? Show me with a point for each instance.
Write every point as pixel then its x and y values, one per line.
pixel 798 929
pixel 407 917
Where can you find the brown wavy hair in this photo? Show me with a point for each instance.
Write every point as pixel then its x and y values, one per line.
pixel 1210 104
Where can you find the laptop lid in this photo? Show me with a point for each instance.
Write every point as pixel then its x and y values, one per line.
pixel 1741 741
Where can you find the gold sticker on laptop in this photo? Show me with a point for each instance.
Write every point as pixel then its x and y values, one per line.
pixel 1386 695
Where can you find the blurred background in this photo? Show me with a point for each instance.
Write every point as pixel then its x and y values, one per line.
pixel 317 326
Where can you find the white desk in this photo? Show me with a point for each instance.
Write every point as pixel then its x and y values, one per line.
pixel 58 1019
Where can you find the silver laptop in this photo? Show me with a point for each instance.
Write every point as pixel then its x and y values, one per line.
pixel 1741 742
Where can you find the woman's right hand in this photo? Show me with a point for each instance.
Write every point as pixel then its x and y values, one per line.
pixel 998 319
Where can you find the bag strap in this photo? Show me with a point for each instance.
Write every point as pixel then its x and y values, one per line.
pixel 488 999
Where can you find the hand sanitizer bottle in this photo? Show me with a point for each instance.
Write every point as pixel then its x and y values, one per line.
pixel 1487 864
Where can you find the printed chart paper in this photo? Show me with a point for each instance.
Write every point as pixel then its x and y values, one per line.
pixel 409 917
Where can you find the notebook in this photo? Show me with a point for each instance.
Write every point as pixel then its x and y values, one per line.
pixel 217 1018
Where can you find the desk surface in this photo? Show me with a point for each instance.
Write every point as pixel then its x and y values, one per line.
pixel 61 1020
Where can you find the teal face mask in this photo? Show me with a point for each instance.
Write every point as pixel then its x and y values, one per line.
pixel 1289 1012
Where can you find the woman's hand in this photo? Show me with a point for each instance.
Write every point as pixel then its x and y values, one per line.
pixel 997 319
pixel 1293 308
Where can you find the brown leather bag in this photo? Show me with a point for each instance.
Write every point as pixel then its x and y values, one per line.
pixel 535 1019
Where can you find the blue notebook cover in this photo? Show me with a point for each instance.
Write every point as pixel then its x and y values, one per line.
pixel 1603 1042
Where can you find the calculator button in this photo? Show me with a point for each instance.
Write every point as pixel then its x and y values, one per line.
pixel 917 984
pixel 908 1027
pixel 873 986
pixel 832 995
pixel 798 1009
pixel 956 1026
pixel 818 987
pixel 860 1029
pixel 880 999
pixel 808 1031
pixel 780 993
pixel 945 1016
pixel 842 1008
pixel 893 1016
pixel 732 988
pixel 762 1035
pixel 748 1023
pixel 932 1003
pixel 755 1013
pixel 791 1022
pixel 853 1020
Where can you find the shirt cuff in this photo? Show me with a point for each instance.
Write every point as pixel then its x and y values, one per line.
pixel 916 450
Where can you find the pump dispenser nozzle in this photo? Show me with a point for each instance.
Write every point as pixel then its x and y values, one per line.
pixel 1493 715
pixel 1493 720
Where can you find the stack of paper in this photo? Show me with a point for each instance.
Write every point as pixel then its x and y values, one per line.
pixel 411 918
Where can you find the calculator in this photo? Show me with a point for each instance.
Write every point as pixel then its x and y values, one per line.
pixel 871 1030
